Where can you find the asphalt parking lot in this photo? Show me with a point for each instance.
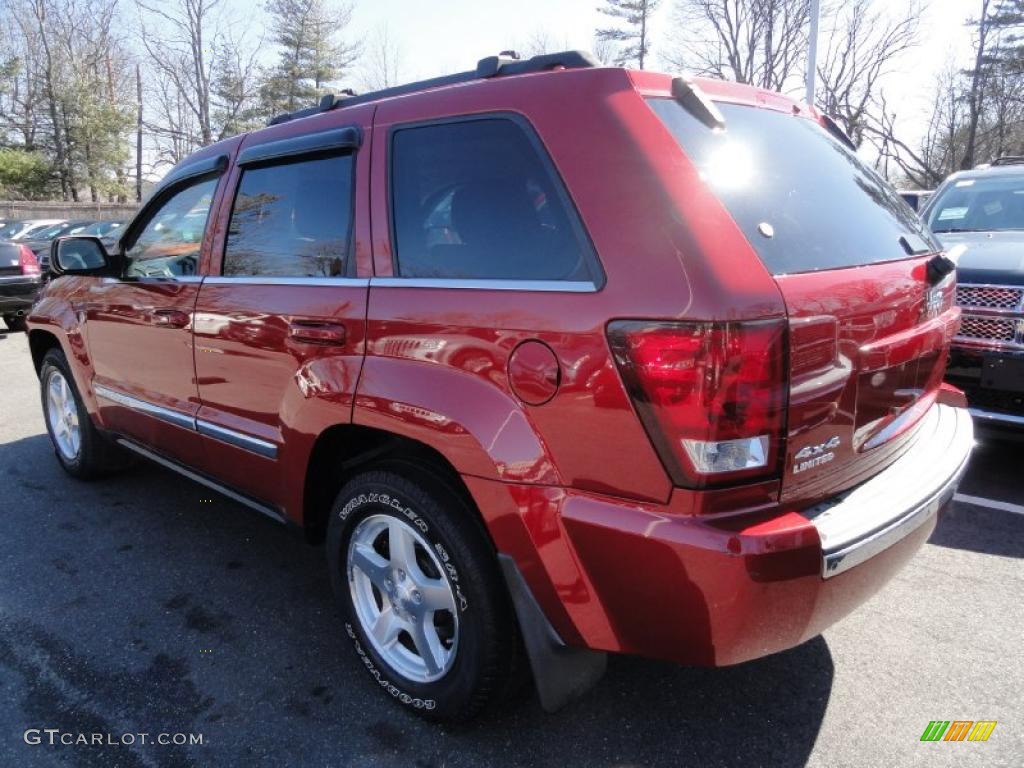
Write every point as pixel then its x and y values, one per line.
pixel 146 604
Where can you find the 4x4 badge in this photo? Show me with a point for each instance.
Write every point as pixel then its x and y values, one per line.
pixel 811 456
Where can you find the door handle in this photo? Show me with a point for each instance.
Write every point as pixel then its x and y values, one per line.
pixel 314 332
pixel 170 318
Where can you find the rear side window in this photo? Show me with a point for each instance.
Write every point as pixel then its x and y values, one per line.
pixel 803 199
pixel 292 220
pixel 476 199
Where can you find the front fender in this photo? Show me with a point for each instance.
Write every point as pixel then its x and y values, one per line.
pixel 54 314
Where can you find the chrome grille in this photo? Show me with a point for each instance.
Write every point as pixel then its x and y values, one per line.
pixel 993 315
pixel 989 296
pixel 988 328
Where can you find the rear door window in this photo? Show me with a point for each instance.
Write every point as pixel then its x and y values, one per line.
pixel 803 199
pixel 477 199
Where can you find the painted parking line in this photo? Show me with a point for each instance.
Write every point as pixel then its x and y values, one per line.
pixel 980 501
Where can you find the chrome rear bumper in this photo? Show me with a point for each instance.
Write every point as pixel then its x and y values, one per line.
pixel 868 519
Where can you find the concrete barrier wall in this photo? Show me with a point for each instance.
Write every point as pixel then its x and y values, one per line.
pixel 21 209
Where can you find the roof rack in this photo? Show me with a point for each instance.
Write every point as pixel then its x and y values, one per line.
pixel 1009 160
pixel 505 63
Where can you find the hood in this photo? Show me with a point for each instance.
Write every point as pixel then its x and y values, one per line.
pixel 996 258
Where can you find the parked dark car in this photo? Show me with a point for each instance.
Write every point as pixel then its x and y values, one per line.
pixel 556 359
pixel 20 280
pixel 979 217
pixel 16 230
pixel 39 238
pixel 103 229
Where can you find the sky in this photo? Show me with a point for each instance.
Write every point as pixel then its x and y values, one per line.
pixel 442 36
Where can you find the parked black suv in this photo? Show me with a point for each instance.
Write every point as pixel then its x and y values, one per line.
pixel 979 217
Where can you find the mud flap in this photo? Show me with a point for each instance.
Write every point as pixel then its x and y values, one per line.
pixel 561 674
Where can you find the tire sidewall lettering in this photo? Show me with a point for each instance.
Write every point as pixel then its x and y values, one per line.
pixel 396 692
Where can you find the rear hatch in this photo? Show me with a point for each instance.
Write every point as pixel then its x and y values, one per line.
pixel 868 330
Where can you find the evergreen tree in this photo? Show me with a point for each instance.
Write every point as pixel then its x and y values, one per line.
pixel 313 52
pixel 634 41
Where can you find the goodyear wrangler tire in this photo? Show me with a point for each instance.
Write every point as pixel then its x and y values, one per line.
pixel 421 594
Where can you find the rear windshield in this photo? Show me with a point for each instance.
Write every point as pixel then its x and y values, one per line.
pixel 979 205
pixel 802 198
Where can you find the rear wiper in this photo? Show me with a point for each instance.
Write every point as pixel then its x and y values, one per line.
pixel 959 229
pixel 914 248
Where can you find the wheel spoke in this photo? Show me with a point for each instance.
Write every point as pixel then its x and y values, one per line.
pixel 373 565
pixel 428 645
pixel 402 547
pixel 386 628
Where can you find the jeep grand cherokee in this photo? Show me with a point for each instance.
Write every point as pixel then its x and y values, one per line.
pixel 559 360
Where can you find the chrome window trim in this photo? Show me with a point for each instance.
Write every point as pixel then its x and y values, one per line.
pixel 271 512
pixel 177 418
pixel 352 282
pixel 548 286
pixel 237 439
pixel 154 279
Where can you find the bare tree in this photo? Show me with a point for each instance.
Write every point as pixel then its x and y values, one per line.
pixel 761 42
pixel 863 42
pixel 634 40
pixel 381 65
pixel 180 37
pixel 540 41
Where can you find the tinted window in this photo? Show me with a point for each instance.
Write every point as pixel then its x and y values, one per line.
pixel 979 205
pixel 292 220
pixel 475 199
pixel 169 244
pixel 785 175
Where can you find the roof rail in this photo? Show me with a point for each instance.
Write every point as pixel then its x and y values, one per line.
pixel 1009 160
pixel 506 63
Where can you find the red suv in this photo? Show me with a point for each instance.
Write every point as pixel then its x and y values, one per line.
pixel 557 359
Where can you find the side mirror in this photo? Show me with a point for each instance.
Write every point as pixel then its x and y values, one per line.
pixel 79 256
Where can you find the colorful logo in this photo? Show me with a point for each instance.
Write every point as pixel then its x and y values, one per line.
pixel 958 730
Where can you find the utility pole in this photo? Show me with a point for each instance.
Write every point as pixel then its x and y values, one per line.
pixel 138 134
pixel 812 51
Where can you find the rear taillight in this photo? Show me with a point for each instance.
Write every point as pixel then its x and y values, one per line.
pixel 712 396
pixel 27 260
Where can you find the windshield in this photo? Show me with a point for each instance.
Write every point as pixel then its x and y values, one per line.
pixel 10 230
pixel 979 205
pixel 804 200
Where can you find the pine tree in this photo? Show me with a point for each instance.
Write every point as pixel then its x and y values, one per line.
pixel 313 52
pixel 634 41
